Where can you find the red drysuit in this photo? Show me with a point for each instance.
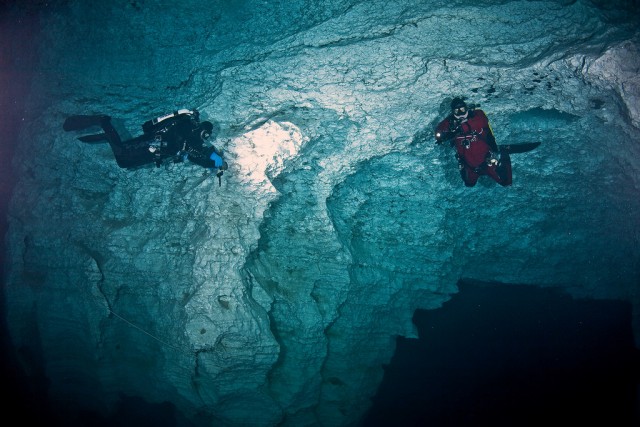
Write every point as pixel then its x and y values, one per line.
pixel 473 141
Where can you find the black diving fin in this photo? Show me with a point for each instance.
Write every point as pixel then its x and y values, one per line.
pixel 80 122
pixel 519 148
pixel 100 137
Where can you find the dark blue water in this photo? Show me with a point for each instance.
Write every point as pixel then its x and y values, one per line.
pixel 506 355
pixel 21 399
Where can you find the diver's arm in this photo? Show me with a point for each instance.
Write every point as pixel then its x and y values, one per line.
pixel 446 130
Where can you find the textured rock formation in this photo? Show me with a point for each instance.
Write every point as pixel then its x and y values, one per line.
pixel 275 298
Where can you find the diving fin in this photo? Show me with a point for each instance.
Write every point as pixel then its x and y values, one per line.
pixel 80 122
pixel 94 138
pixel 519 148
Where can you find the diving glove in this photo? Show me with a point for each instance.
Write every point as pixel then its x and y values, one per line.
pixel 492 159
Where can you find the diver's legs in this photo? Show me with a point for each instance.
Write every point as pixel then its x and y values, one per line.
pixel 110 132
pixel 81 122
pixel 502 172
pixel 469 176
pixel 123 154
pixel 133 153
pixel 115 142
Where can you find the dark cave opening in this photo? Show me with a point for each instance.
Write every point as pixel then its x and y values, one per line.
pixel 505 355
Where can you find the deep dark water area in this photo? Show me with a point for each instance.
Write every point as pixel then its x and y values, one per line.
pixel 17 59
pixel 513 355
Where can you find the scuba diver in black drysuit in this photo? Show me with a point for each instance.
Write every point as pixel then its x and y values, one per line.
pixel 175 137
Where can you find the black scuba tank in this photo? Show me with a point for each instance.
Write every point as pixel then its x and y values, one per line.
pixel 162 123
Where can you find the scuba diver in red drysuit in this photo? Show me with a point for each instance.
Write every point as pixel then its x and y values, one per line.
pixel 476 148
